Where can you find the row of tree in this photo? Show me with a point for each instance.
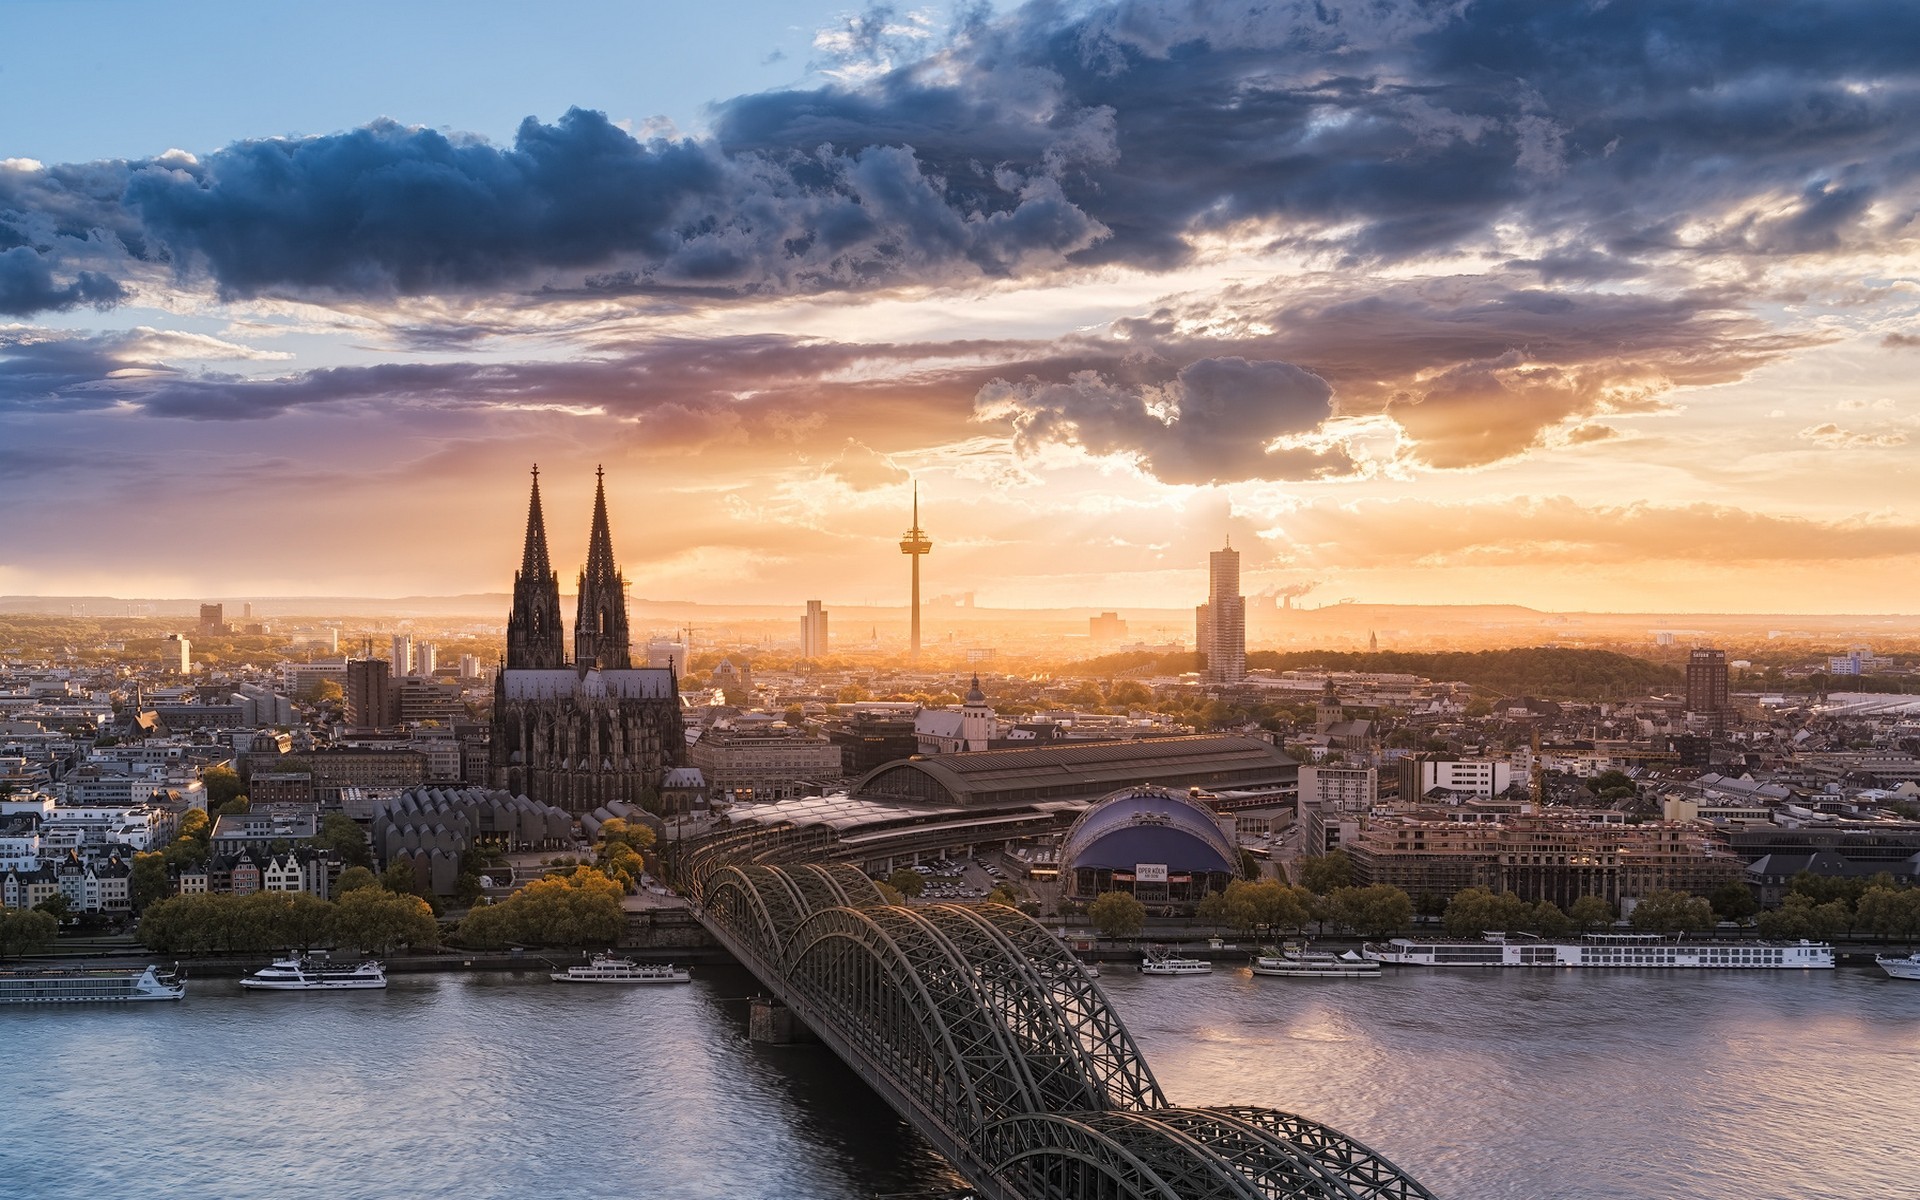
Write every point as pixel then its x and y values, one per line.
pixel 366 918
pixel 1247 906
pixel 579 908
pixel 1881 911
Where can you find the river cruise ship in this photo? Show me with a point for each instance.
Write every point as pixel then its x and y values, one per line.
pixel 89 985
pixel 1900 968
pixel 605 968
pixel 1297 962
pixel 1650 950
pixel 1167 964
pixel 306 973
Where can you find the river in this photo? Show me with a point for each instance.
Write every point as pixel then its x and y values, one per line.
pixel 1567 1085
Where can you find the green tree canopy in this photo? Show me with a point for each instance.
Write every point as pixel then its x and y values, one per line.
pixel 1476 910
pixel 1733 901
pixel 148 884
pixel 1321 873
pixel 379 922
pixel 1377 911
pixel 354 878
pixel 908 882
pixel 1672 912
pixel 1117 914
pixel 223 786
pixel 1589 913
pixel 579 909
pixel 1889 913
pixel 26 931
pixel 342 836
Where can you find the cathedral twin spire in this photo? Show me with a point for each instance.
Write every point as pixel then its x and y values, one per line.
pixel 535 638
pixel 600 627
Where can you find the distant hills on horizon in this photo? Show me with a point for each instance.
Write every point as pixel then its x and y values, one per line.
pixel 493 606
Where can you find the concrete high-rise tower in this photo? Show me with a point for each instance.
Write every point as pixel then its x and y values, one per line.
pixel 914 544
pixel 813 631
pixel 1221 623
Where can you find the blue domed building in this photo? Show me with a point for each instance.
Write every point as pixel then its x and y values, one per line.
pixel 1164 847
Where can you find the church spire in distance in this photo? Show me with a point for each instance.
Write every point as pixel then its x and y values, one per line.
pixel 600 626
pixel 534 636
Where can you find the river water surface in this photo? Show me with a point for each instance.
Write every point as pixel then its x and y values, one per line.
pixel 1575 1085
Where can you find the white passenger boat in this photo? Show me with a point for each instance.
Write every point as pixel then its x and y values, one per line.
pixel 310 973
pixel 1637 950
pixel 1297 962
pixel 89 985
pixel 605 968
pixel 1167 964
pixel 1900 968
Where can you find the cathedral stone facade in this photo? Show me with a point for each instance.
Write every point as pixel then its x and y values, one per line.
pixel 579 734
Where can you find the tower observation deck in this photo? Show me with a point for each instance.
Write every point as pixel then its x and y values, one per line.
pixel 914 543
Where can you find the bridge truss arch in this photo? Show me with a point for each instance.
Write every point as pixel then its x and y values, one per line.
pixel 980 1027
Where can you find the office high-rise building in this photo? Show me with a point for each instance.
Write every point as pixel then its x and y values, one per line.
pixel 182 653
pixel 1220 625
pixel 371 702
pixel 213 619
pixel 1707 687
pixel 425 659
pixel 813 631
pixel 402 654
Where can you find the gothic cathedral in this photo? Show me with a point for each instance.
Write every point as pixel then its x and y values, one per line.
pixel 579 735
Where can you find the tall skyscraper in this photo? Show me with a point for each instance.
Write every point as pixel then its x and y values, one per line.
pixel 813 631
pixel 371 703
pixel 183 662
pixel 402 654
pixel 914 544
pixel 1707 687
pixel 213 619
pixel 1220 625
pixel 426 659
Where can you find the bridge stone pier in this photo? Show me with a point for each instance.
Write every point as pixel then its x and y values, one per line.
pixel 978 1026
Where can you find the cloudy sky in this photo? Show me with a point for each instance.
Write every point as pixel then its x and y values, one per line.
pixel 1583 306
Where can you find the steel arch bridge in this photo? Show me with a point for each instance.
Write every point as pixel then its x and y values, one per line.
pixel 978 1026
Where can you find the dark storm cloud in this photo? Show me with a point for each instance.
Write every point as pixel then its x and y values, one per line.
pixel 1475 369
pixel 1213 421
pixel 27 285
pixel 1059 136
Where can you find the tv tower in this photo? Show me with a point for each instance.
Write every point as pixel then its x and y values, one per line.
pixel 914 543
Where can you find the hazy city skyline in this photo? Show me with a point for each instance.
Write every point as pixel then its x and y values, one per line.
pixel 1415 305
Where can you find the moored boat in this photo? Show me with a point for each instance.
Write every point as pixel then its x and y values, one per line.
pixel 1900 968
pixel 1653 951
pixel 309 973
pixel 1297 962
pixel 607 968
pixel 1168 964
pixel 89 985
